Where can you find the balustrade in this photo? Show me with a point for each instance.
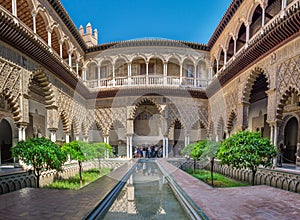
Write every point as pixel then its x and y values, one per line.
pixel 148 80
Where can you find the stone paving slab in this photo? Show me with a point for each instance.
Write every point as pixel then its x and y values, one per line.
pixel 32 203
pixel 254 202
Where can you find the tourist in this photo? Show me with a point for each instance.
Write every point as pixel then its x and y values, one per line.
pixel 136 152
pixel 144 151
pixel 155 151
pixel 139 152
pixel 280 155
pixel 160 152
pixel 149 152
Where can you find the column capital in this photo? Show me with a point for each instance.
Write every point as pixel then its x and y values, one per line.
pixel 271 122
pixel 49 29
pixel 245 103
pixel 52 130
pixel 270 91
pixel 33 13
pixel 22 124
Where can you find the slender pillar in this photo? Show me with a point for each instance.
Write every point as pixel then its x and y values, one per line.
pixel 165 73
pixel 60 49
pixel 22 133
pixel 167 147
pixel 180 76
pixel 106 139
pixel 83 74
pixel 67 138
pixel 234 46
pixel 34 23
pixel 14 7
pixel 53 135
pixel 217 137
pixel 114 75
pixel 99 75
pixel 129 73
pixel 210 72
pixel 272 134
pixel 77 68
pixel 283 7
pixel 275 143
pixel 247 33
pixel 164 147
pixel 77 137
pixel 195 75
pixel 20 136
pixel 225 57
pixel 147 73
pixel 130 147
pixel 86 138
pixel 49 36
pixel 186 140
pixel 127 148
pixel 70 59
pixel 275 134
pixel 263 20
pixel 217 66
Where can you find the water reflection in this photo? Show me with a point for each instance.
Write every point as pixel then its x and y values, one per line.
pixel 147 195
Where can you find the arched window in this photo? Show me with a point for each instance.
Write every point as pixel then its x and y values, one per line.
pixel 241 40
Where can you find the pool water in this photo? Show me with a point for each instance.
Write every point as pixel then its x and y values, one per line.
pixel 146 195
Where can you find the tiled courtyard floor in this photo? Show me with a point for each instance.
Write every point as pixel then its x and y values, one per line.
pixel 258 202
pixel 30 203
pixel 254 202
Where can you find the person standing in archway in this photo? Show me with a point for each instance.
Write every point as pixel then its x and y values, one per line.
pixel 280 155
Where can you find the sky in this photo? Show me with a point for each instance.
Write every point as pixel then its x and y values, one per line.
pixel 117 20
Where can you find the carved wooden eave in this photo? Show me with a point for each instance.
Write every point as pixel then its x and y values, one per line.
pixel 283 29
pixel 24 40
pixel 57 6
pixel 150 91
pixel 148 42
pixel 233 7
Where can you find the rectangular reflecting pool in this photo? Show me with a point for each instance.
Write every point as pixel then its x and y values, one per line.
pixel 146 195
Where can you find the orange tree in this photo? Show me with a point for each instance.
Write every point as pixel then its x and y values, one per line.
pixel 187 152
pixel 247 149
pixel 98 151
pixel 78 150
pixel 206 150
pixel 41 153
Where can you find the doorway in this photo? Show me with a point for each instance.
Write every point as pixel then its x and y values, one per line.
pixel 290 140
pixel 5 142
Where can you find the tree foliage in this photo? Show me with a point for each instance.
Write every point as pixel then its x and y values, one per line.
pixel 77 150
pixel 41 153
pixel 99 151
pixel 206 150
pixel 187 150
pixel 247 149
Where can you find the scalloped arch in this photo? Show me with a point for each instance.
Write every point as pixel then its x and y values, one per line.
pixel 283 100
pixel 45 84
pixel 250 82
pixel 140 102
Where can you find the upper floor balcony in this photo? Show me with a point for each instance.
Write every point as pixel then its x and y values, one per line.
pixel 148 80
pixel 135 63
